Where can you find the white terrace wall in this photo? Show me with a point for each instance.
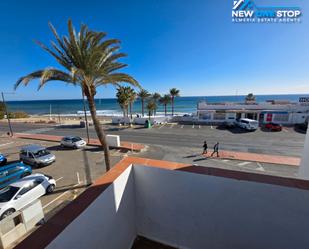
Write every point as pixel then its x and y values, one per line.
pixel 195 211
pixel 109 222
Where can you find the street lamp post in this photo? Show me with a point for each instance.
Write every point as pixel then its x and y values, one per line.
pixel 7 114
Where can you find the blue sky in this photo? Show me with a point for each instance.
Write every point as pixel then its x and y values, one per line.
pixel 191 45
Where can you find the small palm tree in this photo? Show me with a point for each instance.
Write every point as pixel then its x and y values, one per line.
pixel 143 95
pixel 123 99
pixel 151 107
pixel 89 61
pixel 156 97
pixel 165 100
pixel 250 97
pixel 132 98
pixel 174 93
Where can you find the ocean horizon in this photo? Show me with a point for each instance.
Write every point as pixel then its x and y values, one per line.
pixel 110 107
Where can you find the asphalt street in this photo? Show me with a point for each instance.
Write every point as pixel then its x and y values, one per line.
pixel 287 142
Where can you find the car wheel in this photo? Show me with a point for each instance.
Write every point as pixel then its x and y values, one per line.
pixel 50 189
pixel 7 213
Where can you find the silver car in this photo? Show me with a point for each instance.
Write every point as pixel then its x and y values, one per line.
pixel 36 155
pixel 73 142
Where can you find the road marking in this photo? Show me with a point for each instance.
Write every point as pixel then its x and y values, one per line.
pixel 58 179
pixel 193 126
pixel 260 168
pixel 162 125
pixel 181 126
pixel 225 160
pixel 243 163
pixel 59 197
pixel 6 144
pixel 199 127
pixel 285 130
pixel 211 127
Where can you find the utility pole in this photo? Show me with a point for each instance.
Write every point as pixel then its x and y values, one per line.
pixel 86 119
pixel 7 114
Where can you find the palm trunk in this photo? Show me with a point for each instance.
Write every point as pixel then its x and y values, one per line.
pixel 99 131
pixel 143 107
pixel 131 110
pixel 165 108
pixel 172 106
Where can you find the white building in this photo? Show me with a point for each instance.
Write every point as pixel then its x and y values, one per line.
pixel 283 112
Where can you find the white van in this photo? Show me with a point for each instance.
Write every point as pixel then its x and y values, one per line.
pixel 247 124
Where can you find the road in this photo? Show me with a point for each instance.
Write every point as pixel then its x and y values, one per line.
pixel 288 142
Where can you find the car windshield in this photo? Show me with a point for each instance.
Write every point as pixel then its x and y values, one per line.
pixel 41 153
pixel 7 193
pixel 76 139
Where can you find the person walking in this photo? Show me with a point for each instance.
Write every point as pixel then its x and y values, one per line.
pixel 205 147
pixel 216 149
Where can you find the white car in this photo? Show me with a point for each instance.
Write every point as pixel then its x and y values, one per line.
pixel 24 191
pixel 248 124
pixel 73 142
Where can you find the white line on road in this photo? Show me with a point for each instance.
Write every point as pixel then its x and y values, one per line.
pixel 199 127
pixel 59 179
pixel 162 125
pixel 225 160
pixel 6 144
pixel 58 197
pixel 211 127
pixel 181 126
pixel 260 168
pixel 285 130
pixel 243 163
pixel 193 126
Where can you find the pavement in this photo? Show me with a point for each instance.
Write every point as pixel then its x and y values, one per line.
pixel 223 154
pixel 92 142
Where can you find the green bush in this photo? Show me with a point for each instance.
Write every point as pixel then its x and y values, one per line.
pixel 18 115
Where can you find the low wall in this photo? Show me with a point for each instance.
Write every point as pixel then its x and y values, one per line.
pixel 109 222
pixel 195 211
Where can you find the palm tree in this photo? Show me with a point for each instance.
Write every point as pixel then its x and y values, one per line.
pixel 165 100
pixel 88 60
pixel 156 97
pixel 123 99
pixel 143 95
pixel 151 107
pixel 250 97
pixel 132 98
pixel 174 93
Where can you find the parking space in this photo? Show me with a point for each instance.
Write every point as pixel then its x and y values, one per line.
pixel 73 170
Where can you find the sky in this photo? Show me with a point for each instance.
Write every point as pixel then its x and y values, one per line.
pixel 191 45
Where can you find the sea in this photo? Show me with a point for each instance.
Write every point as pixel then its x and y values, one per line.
pixel 110 107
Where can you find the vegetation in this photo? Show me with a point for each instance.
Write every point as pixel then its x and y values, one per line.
pixel 123 99
pixel 151 107
pixel 132 98
pixel 165 100
pixel 174 93
pixel 18 115
pixel 156 96
pixel 2 110
pixel 89 61
pixel 143 95
pixel 250 97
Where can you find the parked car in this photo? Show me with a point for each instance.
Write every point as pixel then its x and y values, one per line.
pixel 247 124
pixel 3 160
pixel 73 142
pixel 36 155
pixel 273 127
pixel 21 193
pixel 13 172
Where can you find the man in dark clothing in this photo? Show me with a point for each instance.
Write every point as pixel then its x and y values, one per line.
pixel 205 146
pixel 216 149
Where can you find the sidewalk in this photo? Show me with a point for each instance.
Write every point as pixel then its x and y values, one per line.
pixel 123 145
pixel 253 157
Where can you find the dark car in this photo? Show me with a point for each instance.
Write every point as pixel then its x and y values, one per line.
pixel 12 172
pixel 273 127
pixel 3 160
